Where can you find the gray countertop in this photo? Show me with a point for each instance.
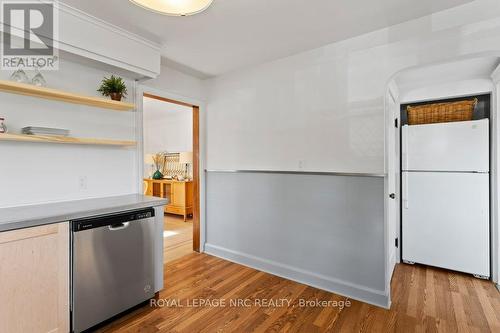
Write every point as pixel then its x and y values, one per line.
pixel 34 215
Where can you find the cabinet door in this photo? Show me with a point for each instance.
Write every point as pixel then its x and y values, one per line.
pixel 189 194
pixel 167 191
pixel 148 187
pixel 34 275
pixel 179 194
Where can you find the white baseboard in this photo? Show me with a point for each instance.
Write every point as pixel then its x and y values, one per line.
pixel 348 289
pixel 498 287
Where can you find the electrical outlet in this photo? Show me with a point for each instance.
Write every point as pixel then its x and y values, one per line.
pixel 82 182
pixel 302 164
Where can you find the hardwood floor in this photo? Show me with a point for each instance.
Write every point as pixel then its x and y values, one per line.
pixel 178 237
pixel 424 300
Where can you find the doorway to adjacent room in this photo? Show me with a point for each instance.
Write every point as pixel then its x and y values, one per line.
pixel 171 170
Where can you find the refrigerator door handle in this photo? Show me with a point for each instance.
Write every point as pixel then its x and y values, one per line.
pixel 405 190
pixel 405 147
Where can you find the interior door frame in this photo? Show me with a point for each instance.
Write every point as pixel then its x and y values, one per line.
pixel 198 153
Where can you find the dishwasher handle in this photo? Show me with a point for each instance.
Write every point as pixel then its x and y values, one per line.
pixel 119 226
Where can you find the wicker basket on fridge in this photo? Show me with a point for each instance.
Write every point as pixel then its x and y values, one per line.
pixel 441 112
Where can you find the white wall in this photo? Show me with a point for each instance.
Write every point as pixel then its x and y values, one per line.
pixel 446 90
pixel 462 77
pixel 323 110
pixel 325 107
pixel 178 83
pixel 36 173
pixel 167 127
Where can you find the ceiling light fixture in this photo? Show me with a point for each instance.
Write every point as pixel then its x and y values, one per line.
pixel 174 7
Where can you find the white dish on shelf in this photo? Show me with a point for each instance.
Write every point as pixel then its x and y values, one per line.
pixel 33 130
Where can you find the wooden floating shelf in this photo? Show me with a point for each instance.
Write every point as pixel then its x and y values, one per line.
pixel 63 96
pixel 64 140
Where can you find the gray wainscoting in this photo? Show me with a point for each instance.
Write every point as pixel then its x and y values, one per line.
pixel 324 230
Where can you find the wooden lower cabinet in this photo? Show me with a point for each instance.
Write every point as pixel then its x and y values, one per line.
pixel 179 194
pixel 34 279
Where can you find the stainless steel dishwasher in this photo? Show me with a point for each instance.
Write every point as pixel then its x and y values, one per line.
pixel 112 266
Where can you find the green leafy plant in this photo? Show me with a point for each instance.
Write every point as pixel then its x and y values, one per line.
pixel 113 86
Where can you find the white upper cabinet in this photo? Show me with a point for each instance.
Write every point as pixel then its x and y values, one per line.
pixel 92 39
pixel 106 43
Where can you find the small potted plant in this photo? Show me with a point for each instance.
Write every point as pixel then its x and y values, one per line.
pixel 113 87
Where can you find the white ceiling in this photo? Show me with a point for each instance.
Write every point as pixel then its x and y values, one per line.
pixel 233 34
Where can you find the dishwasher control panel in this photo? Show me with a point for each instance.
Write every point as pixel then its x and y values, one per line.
pixel 144 215
pixel 111 220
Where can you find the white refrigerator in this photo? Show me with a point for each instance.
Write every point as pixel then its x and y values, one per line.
pixel 445 196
